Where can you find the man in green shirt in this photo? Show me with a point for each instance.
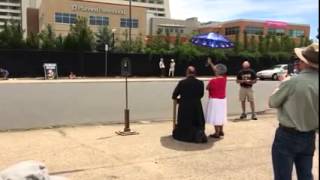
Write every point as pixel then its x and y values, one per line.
pixel 297 101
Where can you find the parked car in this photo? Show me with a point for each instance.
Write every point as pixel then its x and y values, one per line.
pixel 274 72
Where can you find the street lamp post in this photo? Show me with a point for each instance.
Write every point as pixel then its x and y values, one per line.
pixel 126 67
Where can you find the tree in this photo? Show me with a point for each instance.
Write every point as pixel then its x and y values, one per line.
pixel 245 40
pixel 275 44
pixel 59 42
pixel 137 44
pixel 178 40
pixel 104 36
pixel 237 44
pixel 69 43
pixel 156 45
pixel 167 40
pixel 82 35
pixel 253 44
pixel 11 36
pixel 261 47
pixel 125 46
pixel 33 41
pixel 267 43
pixel 47 38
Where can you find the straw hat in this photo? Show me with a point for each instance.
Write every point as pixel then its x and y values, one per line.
pixel 309 55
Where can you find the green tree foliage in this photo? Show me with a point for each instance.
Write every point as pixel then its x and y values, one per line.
pixel 137 44
pixel 261 44
pixel 177 40
pixel 125 46
pixel 11 37
pixel 253 44
pixel 82 36
pixel 237 44
pixel 275 44
pixel 104 36
pixel 187 52
pixel 156 45
pixel 245 40
pixel 47 38
pixel 33 41
pixel 59 42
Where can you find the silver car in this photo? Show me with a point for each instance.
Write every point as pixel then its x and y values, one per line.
pixel 274 72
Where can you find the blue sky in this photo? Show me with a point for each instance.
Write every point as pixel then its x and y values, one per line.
pixel 294 11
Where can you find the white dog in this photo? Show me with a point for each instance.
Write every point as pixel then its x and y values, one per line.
pixel 28 170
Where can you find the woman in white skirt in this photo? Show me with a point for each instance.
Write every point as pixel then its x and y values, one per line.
pixel 216 113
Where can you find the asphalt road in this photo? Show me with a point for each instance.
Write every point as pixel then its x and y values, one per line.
pixel 36 104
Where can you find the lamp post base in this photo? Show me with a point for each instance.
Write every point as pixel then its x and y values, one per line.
pixel 126 133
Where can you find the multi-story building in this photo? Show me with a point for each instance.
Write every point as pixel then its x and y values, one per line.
pixel 158 8
pixel 173 26
pixel 255 28
pixel 10 10
pixel 116 16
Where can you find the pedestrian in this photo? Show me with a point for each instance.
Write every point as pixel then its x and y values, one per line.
pixel 247 78
pixel 216 113
pixel 162 67
pixel 4 73
pixel 190 124
pixel 172 68
pixel 297 102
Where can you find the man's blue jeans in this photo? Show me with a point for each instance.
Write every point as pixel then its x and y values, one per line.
pixel 293 148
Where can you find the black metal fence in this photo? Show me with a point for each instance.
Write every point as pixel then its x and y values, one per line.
pixel 29 63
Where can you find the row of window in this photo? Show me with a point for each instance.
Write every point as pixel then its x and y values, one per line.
pixel 170 30
pixel 67 18
pixel 259 31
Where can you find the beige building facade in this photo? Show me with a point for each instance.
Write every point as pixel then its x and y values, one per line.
pixel 63 14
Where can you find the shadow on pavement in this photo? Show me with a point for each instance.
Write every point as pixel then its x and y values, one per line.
pixel 239 120
pixel 170 143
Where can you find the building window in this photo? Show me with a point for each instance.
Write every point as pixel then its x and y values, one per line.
pixel 296 33
pixel 232 30
pixel 126 23
pixel 65 18
pixel 278 32
pixel 254 30
pixel 99 20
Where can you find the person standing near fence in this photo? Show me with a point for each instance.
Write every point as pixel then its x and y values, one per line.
pixel 172 68
pixel 247 78
pixel 297 102
pixel 162 67
pixel 216 113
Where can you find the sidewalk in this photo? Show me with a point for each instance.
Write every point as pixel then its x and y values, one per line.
pixel 97 153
